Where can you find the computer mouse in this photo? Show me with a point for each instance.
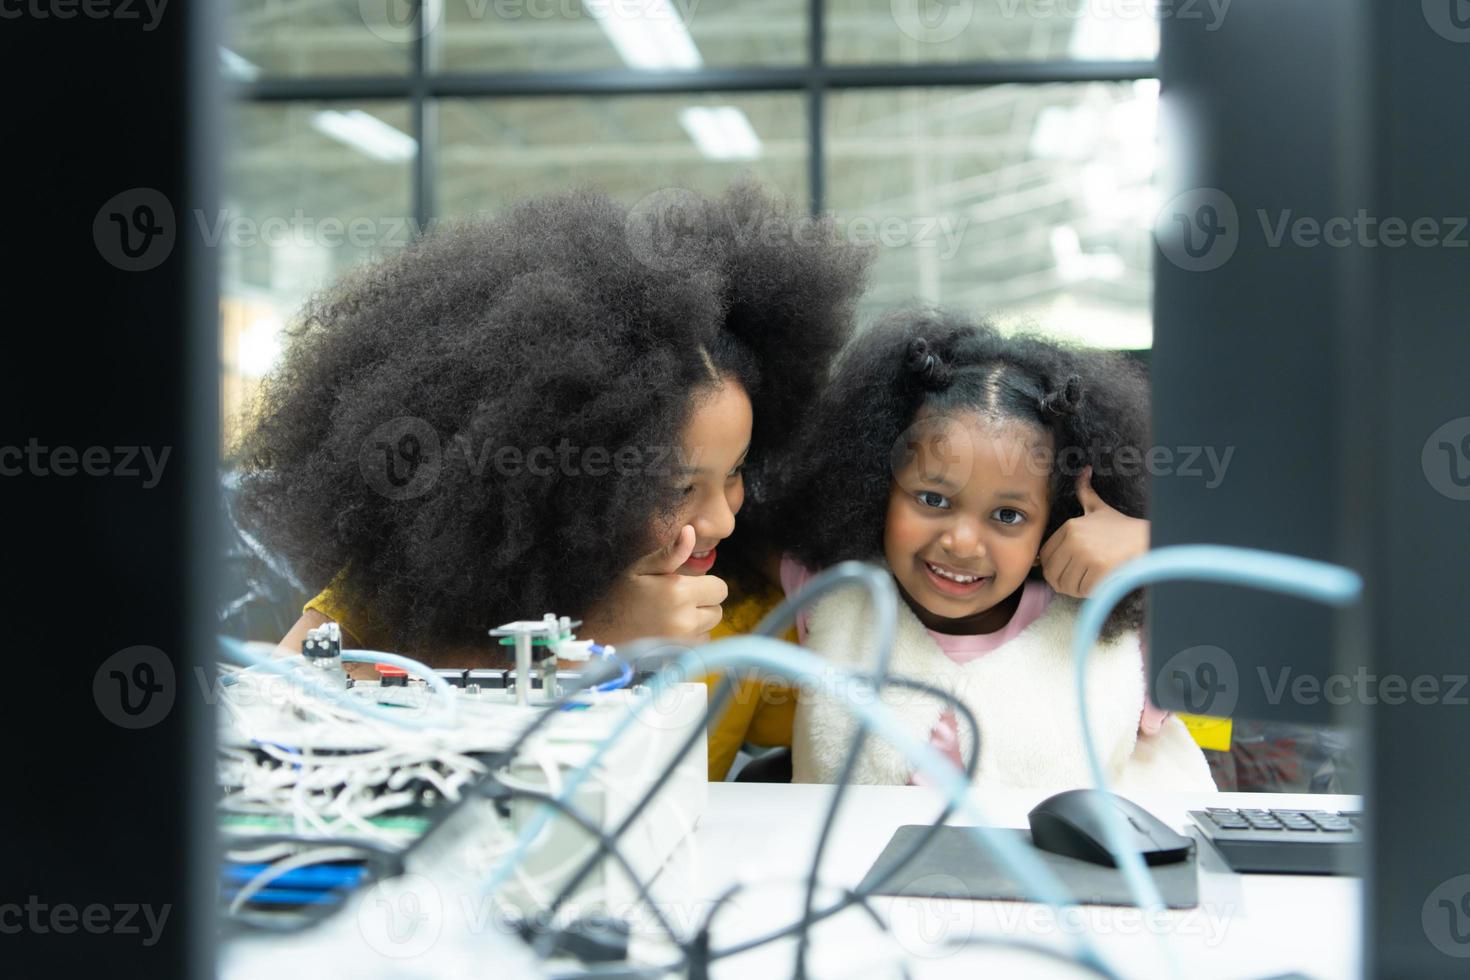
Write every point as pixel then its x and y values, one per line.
pixel 1071 823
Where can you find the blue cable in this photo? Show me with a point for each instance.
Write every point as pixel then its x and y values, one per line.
pixel 1300 577
pixel 292 896
pixel 623 679
pixel 316 877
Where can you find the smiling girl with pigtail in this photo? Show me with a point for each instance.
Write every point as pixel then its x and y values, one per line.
pixel 951 453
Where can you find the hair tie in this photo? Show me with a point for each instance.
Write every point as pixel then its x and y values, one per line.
pixel 1066 399
pixel 927 366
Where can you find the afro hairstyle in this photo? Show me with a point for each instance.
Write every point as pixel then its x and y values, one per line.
pixel 486 340
pixel 1094 403
pixel 376 454
pixel 791 283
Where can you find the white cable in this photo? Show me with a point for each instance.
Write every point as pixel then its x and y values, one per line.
pixel 269 852
pixel 328 792
pixel 287 667
pixel 436 683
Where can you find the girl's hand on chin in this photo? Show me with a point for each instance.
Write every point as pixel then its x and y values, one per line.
pixel 651 599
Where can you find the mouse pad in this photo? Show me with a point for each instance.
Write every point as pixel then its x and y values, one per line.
pixel 954 865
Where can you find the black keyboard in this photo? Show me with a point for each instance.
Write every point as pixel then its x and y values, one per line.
pixel 1310 842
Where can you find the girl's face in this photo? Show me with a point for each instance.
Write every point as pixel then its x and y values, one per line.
pixel 708 471
pixel 966 513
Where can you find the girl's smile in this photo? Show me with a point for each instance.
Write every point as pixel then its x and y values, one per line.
pixel 966 513
pixel 953 582
pixel 698 563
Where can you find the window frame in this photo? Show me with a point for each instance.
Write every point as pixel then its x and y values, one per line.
pixel 423 86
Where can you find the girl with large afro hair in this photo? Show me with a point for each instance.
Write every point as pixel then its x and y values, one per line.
pixel 494 423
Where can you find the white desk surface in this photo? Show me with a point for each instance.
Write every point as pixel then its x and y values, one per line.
pixel 1247 926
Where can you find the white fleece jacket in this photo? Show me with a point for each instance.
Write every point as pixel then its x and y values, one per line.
pixel 1024 695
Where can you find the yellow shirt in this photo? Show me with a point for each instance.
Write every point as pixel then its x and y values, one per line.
pixel 757 712
pixel 329 603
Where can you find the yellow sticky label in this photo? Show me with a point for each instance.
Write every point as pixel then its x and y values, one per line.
pixel 1209 733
